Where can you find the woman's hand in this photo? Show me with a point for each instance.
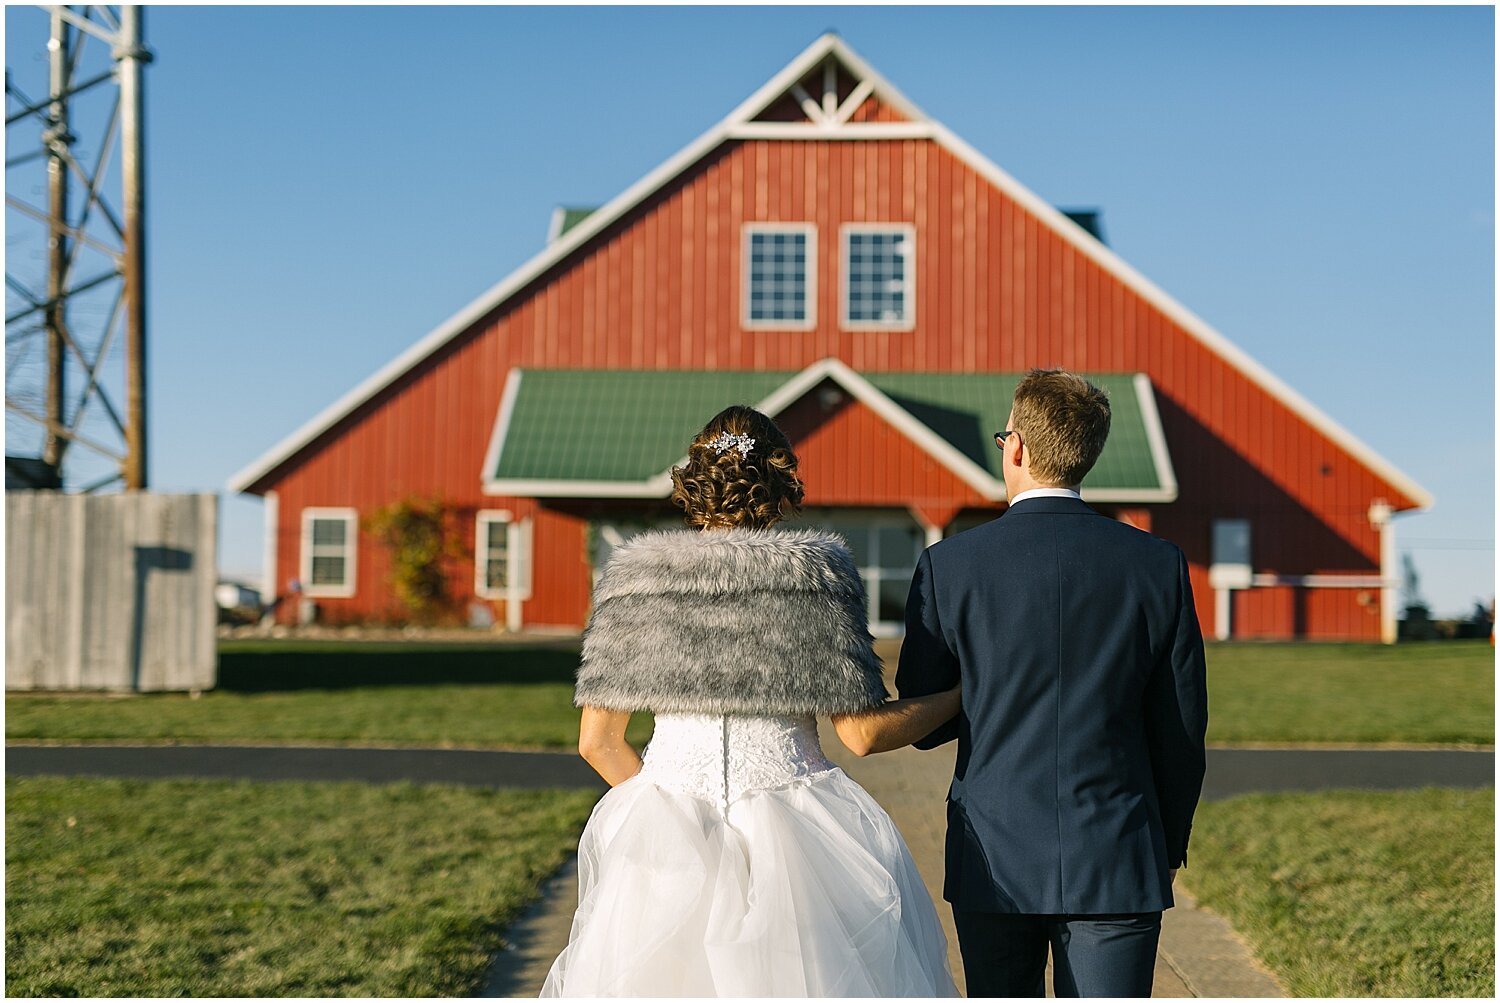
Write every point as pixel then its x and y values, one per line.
pixel 601 742
pixel 897 723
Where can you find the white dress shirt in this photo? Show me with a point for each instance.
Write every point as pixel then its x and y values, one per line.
pixel 1047 493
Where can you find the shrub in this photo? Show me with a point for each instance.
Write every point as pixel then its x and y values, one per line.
pixel 420 534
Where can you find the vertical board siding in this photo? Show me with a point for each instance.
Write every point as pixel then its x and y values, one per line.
pixel 998 290
pixel 110 592
pixel 899 474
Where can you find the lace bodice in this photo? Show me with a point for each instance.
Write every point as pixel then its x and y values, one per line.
pixel 721 758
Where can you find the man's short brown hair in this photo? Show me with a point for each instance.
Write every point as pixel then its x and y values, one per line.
pixel 1063 420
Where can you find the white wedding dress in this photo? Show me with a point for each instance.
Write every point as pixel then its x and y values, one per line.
pixel 741 862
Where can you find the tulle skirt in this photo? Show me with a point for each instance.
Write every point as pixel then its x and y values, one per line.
pixel 803 890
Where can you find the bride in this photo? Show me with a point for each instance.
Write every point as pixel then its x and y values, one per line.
pixel 734 859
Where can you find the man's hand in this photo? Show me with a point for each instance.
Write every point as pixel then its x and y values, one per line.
pixel 1173 873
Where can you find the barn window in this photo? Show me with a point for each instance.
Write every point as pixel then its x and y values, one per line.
pixel 502 556
pixel 879 276
pixel 885 547
pixel 780 278
pixel 329 536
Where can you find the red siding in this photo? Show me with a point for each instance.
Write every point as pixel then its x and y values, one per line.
pixel 850 456
pixel 875 110
pixel 1318 614
pixel 997 290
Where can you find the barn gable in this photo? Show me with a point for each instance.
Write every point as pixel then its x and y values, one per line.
pixel 830 95
pixel 801 103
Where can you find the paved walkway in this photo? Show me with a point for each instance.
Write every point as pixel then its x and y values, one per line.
pixel 465 767
pixel 1200 954
pixel 1248 771
pixel 1230 771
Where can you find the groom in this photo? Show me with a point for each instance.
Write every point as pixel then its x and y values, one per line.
pixel 1080 742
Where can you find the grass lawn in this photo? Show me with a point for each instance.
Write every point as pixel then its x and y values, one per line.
pixel 520 696
pixel 1436 692
pixel 500 695
pixel 217 888
pixel 1356 893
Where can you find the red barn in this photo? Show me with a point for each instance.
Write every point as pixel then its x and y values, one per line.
pixel 834 256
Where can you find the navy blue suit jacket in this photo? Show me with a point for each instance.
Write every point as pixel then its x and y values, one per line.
pixel 1081 738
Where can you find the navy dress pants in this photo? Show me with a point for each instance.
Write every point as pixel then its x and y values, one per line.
pixel 1005 954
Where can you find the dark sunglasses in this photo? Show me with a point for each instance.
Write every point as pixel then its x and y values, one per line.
pixel 1000 437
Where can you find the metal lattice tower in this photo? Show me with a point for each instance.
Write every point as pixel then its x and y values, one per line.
pixel 63 317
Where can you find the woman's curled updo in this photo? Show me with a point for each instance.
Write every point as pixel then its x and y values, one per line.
pixel 740 471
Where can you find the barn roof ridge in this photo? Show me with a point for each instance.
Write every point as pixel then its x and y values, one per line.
pixel 740 124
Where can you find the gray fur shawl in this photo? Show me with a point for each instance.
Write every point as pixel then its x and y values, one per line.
pixel 735 621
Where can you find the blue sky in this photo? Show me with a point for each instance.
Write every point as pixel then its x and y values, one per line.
pixel 326 185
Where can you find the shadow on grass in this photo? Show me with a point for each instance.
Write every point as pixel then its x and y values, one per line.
pixel 272 668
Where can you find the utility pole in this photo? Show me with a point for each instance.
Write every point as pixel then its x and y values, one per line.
pixel 56 140
pixel 132 134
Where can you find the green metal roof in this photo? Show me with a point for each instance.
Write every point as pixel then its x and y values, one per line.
pixel 572 216
pixel 967 410
pixel 630 426
pixel 1089 219
pixel 611 425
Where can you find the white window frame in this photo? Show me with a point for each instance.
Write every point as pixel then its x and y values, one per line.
pixel 350 518
pixel 909 289
pixel 611 533
pixel 809 280
pixel 871 521
pixel 517 554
